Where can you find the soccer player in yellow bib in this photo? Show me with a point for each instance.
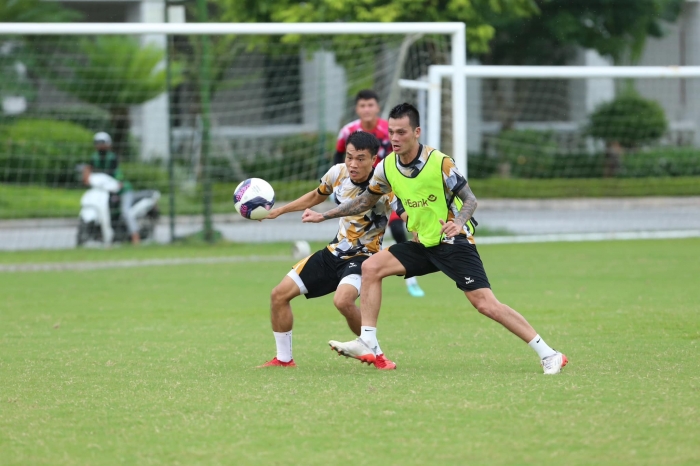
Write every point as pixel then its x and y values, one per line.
pixel 439 204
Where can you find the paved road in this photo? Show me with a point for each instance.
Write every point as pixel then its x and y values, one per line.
pixel 521 217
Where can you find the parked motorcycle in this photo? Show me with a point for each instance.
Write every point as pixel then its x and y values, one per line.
pixel 100 218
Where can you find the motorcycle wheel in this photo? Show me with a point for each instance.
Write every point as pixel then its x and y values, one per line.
pixel 83 233
pixel 147 230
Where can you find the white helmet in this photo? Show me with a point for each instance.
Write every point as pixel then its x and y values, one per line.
pixel 102 138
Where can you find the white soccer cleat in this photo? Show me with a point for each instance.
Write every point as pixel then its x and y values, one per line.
pixel 553 364
pixel 357 349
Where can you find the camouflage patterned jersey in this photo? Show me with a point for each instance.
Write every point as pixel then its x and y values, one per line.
pixel 362 233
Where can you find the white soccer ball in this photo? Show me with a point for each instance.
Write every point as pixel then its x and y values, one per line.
pixel 300 249
pixel 254 198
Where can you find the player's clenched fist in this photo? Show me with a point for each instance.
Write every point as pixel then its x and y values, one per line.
pixel 450 229
pixel 309 216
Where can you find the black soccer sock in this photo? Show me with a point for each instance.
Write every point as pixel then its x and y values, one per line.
pixel 398 231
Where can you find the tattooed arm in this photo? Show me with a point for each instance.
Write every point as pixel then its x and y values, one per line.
pixel 456 225
pixel 468 205
pixel 361 203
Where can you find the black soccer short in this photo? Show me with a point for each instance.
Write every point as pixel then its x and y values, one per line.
pixel 460 261
pixel 322 271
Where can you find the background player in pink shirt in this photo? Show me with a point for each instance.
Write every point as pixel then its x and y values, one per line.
pixel 367 109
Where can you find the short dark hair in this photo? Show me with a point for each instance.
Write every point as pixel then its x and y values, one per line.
pixel 366 94
pixel 364 141
pixel 406 109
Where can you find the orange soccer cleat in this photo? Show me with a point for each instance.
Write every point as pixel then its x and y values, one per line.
pixel 384 364
pixel 277 363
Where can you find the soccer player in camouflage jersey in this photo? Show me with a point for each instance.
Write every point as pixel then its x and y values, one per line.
pixel 438 203
pixel 337 267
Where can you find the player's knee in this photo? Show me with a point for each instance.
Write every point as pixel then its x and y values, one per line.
pixel 489 308
pixel 345 305
pixel 278 296
pixel 371 270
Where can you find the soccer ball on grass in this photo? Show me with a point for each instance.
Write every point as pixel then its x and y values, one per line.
pixel 300 249
pixel 253 198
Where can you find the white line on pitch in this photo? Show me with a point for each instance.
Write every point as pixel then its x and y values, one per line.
pixel 566 237
pixel 88 265
pixel 559 237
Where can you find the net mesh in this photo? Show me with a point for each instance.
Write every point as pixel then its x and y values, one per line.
pixel 238 107
pixel 585 128
pixel 271 107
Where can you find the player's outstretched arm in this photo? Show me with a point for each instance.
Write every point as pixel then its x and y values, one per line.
pixel 309 199
pixel 454 227
pixel 360 204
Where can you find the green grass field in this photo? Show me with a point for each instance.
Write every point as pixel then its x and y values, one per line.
pixel 156 365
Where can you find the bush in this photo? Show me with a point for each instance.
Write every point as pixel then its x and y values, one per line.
pixel 558 166
pixel 299 159
pixel 46 152
pixel 629 119
pixel 659 162
pixel 513 145
pixel 146 176
pixel 43 152
pixel 481 166
pixel 526 153
pixel 683 161
pixel 89 116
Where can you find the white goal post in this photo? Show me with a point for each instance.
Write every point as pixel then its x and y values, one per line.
pixel 456 31
pixel 436 73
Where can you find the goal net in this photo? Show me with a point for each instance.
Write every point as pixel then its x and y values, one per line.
pixel 575 153
pixel 191 114
pixel 193 109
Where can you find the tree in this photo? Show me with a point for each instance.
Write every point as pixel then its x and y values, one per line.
pixel 474 13
pixel 617 29
pixel 227 48
pixel 114 73
pixel 17 53
pixel 188 50
pixel 626 123
pixel 360 67
pixel 35 11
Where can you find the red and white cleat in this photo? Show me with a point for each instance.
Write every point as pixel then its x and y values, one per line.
pixel 553 364
pixel 357 349
pixel 384 364
pixel 277 363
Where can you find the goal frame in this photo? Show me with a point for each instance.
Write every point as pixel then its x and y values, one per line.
pixel 436 73
pixel 456 31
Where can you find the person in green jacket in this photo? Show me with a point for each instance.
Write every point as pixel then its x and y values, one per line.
pixel 103 160
pixel 439 204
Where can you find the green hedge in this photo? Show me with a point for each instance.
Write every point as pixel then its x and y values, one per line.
pixel 146 176
pixel 661 162
pixel 298 159
pixel 42 151
pixel 629 119
pixel 656 162
pixel 45 152
pixel 88 116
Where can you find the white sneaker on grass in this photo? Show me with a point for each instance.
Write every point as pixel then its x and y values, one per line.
pixel 357 349
pixel 553 364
